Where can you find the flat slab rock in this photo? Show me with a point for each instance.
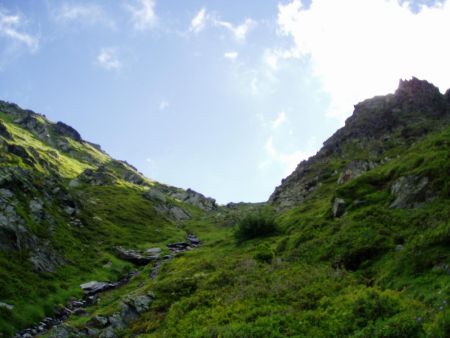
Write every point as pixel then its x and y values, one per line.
pixel 136 257
pixel 94 287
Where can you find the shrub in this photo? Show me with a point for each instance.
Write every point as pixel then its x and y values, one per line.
pixel 255 225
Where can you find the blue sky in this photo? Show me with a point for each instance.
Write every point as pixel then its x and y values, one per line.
pixel 225 97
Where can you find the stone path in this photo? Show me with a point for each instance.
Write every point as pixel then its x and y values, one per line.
pixel 93 289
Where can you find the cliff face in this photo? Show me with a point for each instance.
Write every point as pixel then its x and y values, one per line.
pixel 376 126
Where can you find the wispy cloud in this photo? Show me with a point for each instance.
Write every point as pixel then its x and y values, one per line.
pixel 279 120
pixel 86 14
pixel 108 59
pixel 203 18
pixel 287 160
pixel 164 104
pixel 12 27
pixel 232 55
pixel 239 32
pixel 143 14
pixel 359 49
pixel 198 22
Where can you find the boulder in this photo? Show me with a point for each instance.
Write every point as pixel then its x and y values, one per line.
pixel 94 287
pixel 410 192
pixel 134 256
pixel 153 251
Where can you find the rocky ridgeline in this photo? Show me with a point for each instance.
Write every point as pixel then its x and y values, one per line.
pixel 132 307
pixel 416 108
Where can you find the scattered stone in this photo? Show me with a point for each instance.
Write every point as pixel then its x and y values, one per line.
pixel 193 240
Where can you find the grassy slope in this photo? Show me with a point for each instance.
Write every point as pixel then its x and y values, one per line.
pixel 374 272
pixel 115 214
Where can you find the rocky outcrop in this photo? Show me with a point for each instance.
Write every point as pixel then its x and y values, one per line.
pixel 4 131
pixel 355 169
pixel 410 192
pixel 63 129
pixel 101 176
pixel 199 200
pixel 31 123
pixel 416 108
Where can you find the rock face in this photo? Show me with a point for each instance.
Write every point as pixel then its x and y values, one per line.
pixel 355 169
pixel 101 176
pixel 192 197
pixel 4 131
pixel 66 130
pixel 410 192
pixel 416 108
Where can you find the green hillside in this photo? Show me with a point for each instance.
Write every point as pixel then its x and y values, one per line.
pixel 354 243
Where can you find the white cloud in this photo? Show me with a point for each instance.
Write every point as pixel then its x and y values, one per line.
pixel 239 32
pixel 164 104
pixel 203 17
pixel 199 21
pixel 279 120
pixel 232 55
pixel 359 49
pixel 288 161
pixel 87 14
pixel 108 59
pixel 143 14
pixel 11 26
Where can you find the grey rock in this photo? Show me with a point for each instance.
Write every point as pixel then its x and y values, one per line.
pixel 45 259
pixel 355 169
pixel 63 331
pixel 6 306
pixel 338 207
pixel 99 321
pixel 153 251
pixel 194 198
pixel 155 195
pixel 117 321
pixel 94 287
pixel 4 131
pixel 135 256
pixel 100 177
pixel 108 333
pixel 410 192
pixel 63 129
pixel 178 213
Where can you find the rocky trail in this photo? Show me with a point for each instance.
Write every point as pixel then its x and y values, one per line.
pixel 132 308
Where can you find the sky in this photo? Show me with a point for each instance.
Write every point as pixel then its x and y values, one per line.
pixel 225 97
